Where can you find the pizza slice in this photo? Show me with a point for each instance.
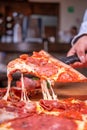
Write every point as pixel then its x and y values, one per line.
pixel 48 69
pixel 18 112
pixel 44 66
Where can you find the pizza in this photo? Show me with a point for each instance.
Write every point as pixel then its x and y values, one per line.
pixel 48 69
pixel 19 112
pixel 65 114
pixel 44 66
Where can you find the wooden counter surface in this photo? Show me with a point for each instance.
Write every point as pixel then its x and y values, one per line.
pixel 66 90
pixel 30 47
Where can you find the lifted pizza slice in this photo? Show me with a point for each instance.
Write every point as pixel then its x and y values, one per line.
pixel 44 66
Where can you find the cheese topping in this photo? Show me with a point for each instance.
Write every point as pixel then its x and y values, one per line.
pixel 5 115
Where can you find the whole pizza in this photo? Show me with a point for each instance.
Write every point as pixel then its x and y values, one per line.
pixel 19 112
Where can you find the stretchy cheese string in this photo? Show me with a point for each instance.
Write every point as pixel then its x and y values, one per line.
pixel 8 89
pixel 45 91
pixel 53 94
pixel 24 96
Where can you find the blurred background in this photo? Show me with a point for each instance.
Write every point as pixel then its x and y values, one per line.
pixel 33 25
pixel 32 20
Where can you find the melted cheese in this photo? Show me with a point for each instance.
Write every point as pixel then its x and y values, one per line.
pixel 24 96
pixel 6 126
pixel 5 115
pixel 80 125
pixel 42 110
pixel 8 89
pixel 45 91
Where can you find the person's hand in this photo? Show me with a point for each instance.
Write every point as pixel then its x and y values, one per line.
pixel 79 48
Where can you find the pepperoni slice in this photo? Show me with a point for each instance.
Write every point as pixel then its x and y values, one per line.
pixel 43 122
